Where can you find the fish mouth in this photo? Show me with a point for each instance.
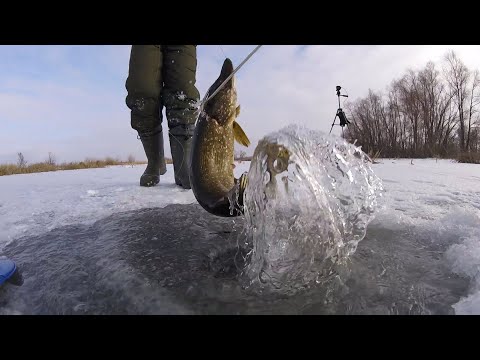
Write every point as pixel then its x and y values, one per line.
pixel 227 70
pixel 222 106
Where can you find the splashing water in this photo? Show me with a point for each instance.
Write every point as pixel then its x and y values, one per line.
pixel 309 199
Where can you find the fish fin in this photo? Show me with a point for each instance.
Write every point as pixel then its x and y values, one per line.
pixel 240 135
pixel 237 111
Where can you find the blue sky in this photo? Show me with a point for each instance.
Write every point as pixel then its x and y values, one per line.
pixel 70 100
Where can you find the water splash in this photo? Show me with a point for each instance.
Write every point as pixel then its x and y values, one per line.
pixel 309 199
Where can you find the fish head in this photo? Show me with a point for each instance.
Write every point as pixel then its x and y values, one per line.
pixel 223 106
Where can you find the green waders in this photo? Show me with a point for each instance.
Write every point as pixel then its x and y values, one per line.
pixel 163 76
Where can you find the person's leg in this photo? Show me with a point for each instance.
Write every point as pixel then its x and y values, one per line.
pixel 144 86
pixel 181 99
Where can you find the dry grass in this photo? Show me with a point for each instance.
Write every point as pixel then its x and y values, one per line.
pixel 375 155
pixel 469 157
pixel 49 165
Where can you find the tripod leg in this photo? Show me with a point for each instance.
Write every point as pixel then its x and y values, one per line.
pixel 333 123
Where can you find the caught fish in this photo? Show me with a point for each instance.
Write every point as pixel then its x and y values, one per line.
pixel 211 168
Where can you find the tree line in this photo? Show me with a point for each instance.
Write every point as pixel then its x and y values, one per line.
pixel 431 112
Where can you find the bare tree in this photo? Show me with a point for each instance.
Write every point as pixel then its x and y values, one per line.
pixel 240 154
pixel 51 159
pixel 21 162
pixel 474 98
pixel 457 76
pixel 412 110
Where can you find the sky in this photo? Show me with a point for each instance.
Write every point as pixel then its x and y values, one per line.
pixel 70 100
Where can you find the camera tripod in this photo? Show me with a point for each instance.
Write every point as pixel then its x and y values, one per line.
pixel 341 115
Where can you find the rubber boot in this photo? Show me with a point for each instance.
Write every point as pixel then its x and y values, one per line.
pixel 153 146
pixel 180 146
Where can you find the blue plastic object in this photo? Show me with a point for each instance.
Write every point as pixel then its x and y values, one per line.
pixel 7 269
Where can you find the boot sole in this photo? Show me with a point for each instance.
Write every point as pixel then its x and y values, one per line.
pixel 149 182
